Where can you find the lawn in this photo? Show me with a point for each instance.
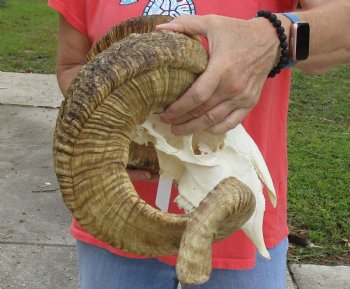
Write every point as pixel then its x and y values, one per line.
pixel 28 32
pixel 319 165
pixel 319 140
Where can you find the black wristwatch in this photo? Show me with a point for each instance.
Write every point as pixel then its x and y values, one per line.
pixel 299 39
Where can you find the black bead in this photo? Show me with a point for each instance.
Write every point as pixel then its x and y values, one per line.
pixel 280 30
pixel 276 70
pixel 282 37
pixel 284 59
pixel 285 52
pixel 284 45
pixel 261 13
pixel 277 23
pixel 267 13
pixel 272 17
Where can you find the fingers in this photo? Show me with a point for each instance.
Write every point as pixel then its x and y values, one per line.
pixel 218 120
pixel 203 120
pixel 206 84
pixel 226 108
pixel 230 122
pixel 188 24
pixel 199 93
pixel 231 84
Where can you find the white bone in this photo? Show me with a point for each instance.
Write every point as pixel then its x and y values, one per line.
pixel 199 162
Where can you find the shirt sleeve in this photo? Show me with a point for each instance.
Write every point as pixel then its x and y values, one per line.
pixel 73 12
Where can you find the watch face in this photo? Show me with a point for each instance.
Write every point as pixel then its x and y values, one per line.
pixel 303 38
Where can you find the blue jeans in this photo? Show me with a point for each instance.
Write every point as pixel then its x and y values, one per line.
pixel 100 269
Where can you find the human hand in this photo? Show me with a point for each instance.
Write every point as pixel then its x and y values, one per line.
pixel 142 175
pixel 242 53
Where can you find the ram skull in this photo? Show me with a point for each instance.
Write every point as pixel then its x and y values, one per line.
pixel 132 74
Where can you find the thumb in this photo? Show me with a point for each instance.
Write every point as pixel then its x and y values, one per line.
pixel 188 24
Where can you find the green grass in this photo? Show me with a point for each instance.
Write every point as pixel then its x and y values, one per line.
pixel 319 165
pixel 28 41
pixel 319 141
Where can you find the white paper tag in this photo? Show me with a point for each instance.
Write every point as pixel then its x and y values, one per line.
pixel 163 193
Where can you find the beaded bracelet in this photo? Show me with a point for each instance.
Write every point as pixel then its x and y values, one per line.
pixel 284 59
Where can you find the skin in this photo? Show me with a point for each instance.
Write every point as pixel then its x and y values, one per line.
pixel 230 88
pixel 242 53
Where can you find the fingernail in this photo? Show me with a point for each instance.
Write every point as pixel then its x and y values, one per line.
pixel 166 114
pixel 159 26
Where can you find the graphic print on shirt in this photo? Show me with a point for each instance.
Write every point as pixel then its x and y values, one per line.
pixel 172 8
pixel 127 2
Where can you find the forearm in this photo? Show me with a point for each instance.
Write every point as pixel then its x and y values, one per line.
pixel 72 50
pixel 65 75
pixel 329 39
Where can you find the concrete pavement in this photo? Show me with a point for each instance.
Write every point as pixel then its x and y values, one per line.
pixel 36 250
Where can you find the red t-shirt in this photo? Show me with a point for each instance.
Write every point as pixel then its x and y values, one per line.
pixel 266 123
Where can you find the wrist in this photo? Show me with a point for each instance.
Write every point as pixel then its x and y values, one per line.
pixel 269 36
pixel 299 39
pixel 281 37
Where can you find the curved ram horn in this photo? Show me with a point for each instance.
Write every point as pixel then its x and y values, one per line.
pixel 224 210
pixel 113 93
pixel 124 29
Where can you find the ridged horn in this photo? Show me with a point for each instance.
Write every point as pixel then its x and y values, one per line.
pixel 225 209
pixel 114 92
pixel 124 29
